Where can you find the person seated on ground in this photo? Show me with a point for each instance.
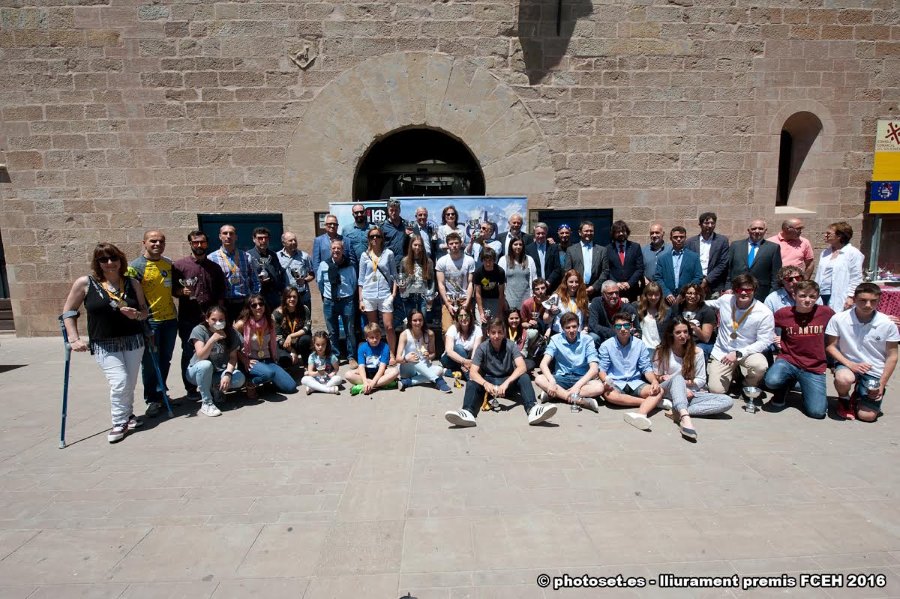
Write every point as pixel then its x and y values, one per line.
pixel 627 374
pixel 864 343
pixel 459 345
pixel 498 369
pixel 700 317
pixel 678 356
pixel 802 356
pixel 573 379
pixel 213 367
pixel 322 367
pixel 746 328
pixel 292 330
pixel 373 371
pixel 415 352
pixel 604 307
pixel 529 341
pixel 533 308
pixel 570 296
pixel 652 311
pixel 260 349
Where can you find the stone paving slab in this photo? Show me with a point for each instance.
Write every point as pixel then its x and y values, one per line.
pixel 325 496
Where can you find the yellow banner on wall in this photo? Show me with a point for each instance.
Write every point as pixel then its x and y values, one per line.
pixel 887 151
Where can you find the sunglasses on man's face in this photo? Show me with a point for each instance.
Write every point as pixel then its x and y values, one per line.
pixel 357 213
pixel 622 326
pixel 793 278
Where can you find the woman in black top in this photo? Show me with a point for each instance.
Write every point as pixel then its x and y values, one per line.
pixel 115 306
pixel 293 330
pixel 700 317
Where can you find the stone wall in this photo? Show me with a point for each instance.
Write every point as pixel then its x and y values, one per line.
pixel 119 115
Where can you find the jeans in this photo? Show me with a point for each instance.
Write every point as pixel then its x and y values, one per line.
pixel 707 348
pixel 451 364
pixel 204 375
pixel 342 309
pixel 474 395
pixel 121 369
pixel 781 376
pixel 165 334
pixel 421 372
pixel 265 371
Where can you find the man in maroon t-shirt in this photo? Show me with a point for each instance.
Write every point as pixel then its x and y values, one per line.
pixel 802 351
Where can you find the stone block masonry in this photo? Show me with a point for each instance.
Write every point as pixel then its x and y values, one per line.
pixel 117 116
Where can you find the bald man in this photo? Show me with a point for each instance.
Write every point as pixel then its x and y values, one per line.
pixel 757 257
pixel 795 250
pixel 653 250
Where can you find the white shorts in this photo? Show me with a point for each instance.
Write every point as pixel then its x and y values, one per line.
pixel 384 305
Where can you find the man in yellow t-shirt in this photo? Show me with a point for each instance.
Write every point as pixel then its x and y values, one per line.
pixel 158 277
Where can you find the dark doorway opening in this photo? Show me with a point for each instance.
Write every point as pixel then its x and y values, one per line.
pixel 417 162
pixel 798 134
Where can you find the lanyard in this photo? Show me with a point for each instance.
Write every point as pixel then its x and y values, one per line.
pixel 736 324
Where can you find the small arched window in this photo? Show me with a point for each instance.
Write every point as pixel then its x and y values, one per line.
pixel 798 134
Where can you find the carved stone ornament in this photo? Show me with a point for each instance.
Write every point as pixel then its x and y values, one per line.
pixel 305 56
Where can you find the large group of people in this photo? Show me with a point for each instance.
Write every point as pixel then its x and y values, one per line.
pixel 684 325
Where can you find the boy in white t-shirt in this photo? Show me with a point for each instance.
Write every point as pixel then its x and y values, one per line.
pixel 864 343
pixel 454 280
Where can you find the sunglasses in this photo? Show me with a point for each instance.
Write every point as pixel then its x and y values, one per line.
pixel 257 305
pixel 793 278
pixel 622 325
pixel 745 290
pixel 107 259
pixel 357 213
pixel 450 214
pixel 375 236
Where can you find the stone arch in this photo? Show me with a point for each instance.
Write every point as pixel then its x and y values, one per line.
pixel 410 89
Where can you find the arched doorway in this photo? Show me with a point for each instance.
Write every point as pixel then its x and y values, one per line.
pixel 417 162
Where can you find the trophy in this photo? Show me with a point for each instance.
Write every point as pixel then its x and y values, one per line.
pixel 872 386
pixel 429 296
pixel 575 399
pixel 189 284
pixel 402 280
pixel 473 226
pixel 552 303
pixel 750 395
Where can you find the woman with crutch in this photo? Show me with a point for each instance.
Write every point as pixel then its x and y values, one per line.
pixel 115 307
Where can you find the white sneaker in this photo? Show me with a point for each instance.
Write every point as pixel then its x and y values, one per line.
pixel 460 418
pixel 541 397
pixel 664 404
pixel 540 413
pixel 590 403
pixel 209 409
pixel 638 420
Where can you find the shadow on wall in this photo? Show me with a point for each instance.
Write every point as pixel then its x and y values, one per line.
pixel 545 29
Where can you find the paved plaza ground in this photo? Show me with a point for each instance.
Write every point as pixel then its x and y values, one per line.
pixel 355 497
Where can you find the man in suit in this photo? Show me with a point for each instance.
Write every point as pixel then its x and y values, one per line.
pixel 757 257
pixel 626 261
pixel 677 267
pixel 546 257
pixel 589 259
pixel 515 232
pixel 713 251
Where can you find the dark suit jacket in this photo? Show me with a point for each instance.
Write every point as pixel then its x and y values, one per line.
pixel 599 265
pixel 598 321
pixel 691 271
pixel 502 239
pixel 553 276
pixel 631 272
pixel 717 270
pixel 765 266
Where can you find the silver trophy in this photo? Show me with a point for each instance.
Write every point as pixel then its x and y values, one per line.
pixel 872 386
pixel 551 302
pixel 750 395
pixel 189 284
pixel 575 399
pixel 473 226
pixel 402 280
pixel 429 296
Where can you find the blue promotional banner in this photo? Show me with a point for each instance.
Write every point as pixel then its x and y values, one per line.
pixel 885 191
pixel 496 209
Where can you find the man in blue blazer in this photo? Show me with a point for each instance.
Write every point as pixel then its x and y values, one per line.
pixel 626 261
pixel 677 267
pixel 713 251
pixel 546 257
pixel 585 253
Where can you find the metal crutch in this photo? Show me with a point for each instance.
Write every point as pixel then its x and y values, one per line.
pixel 65 397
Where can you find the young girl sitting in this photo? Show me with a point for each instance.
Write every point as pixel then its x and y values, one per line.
pixel 415 351
pixel 321 369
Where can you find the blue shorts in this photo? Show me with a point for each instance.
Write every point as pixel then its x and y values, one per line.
pixel 862 392
pixel 567 381
pixel 628 389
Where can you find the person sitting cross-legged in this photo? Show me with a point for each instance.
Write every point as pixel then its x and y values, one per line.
pixel 415 353
pixel 497 368
pixel 864 343
pixel 574 378
pixel 802 356
pixel 678 356
pixel 373 372
pixel 624 366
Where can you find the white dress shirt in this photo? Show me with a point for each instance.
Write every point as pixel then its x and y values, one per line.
pixel 754 335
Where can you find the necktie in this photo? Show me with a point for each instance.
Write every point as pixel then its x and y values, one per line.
pixel 622 253
pixel 752 255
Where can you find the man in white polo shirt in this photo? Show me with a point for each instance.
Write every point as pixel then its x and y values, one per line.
pixel 864 343
pixel 746 328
